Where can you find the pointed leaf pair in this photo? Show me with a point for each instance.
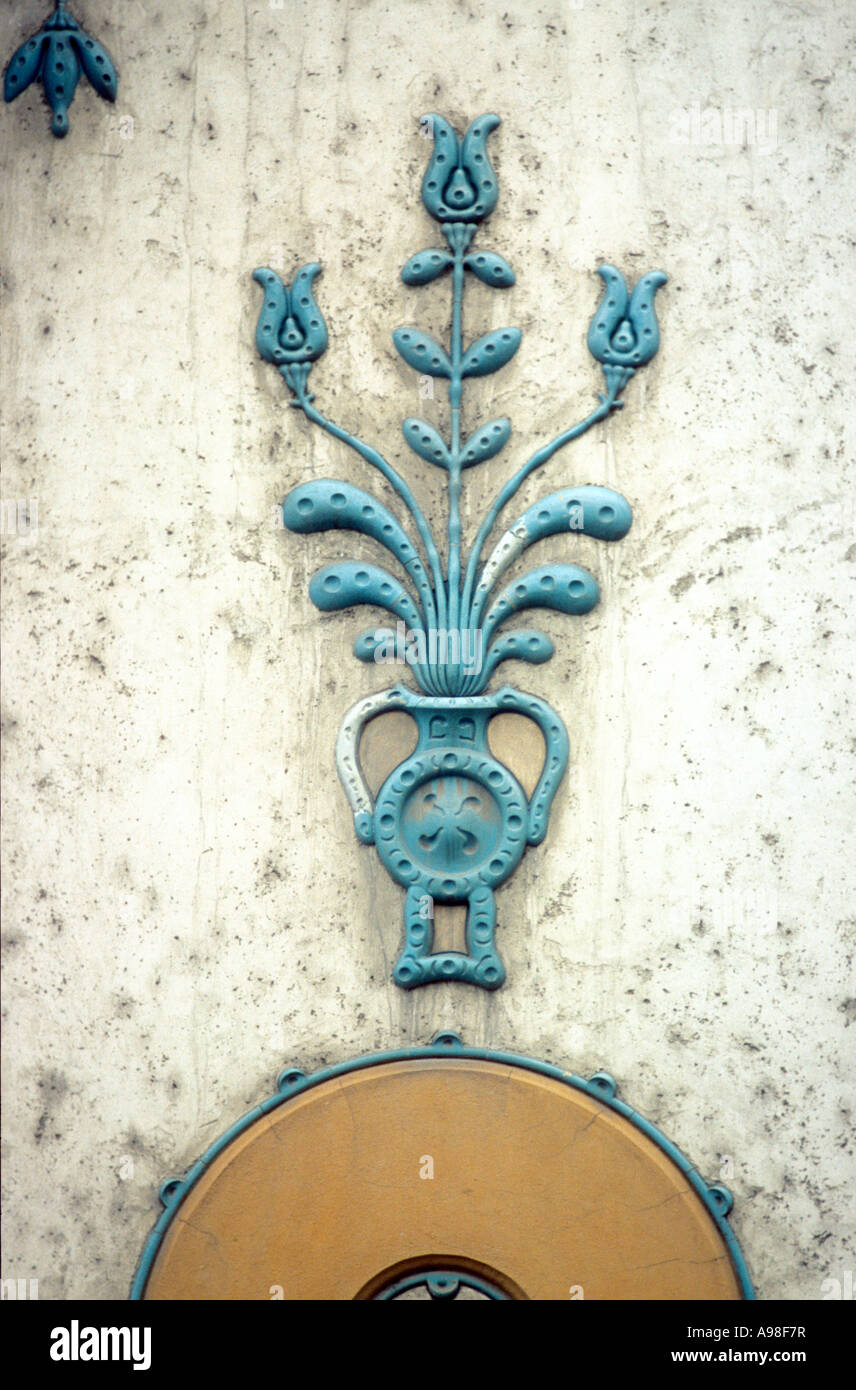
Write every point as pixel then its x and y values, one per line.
pixel 427 443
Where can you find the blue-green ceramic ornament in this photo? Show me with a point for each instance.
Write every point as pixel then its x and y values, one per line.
pixel 56 56
pixel 451 822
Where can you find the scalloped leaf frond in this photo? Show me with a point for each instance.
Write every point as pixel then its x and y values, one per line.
pixel 564 588
pixel 348 583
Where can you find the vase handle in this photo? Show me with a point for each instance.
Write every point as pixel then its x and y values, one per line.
pixel 555 758
pixel 348 754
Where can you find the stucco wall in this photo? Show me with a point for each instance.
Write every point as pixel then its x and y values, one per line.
pixel 187 908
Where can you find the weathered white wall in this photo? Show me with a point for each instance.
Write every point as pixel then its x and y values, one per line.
pixel 187 908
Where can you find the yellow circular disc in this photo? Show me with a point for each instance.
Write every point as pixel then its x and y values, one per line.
pixel 467 1165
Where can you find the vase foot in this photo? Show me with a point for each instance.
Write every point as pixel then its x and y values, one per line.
pixel 418 965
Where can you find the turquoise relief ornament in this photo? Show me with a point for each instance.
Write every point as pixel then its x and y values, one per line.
pixel 451 823
pixel 56 56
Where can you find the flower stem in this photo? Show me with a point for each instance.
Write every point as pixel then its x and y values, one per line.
pixel 608 403
pixel 395 479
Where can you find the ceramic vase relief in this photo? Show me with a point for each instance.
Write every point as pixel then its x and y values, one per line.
pixel 451 822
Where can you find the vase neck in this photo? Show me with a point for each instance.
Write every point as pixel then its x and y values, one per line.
pixel 447 721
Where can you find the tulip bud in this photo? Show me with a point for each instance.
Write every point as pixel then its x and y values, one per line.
pixel 459 183
pixel 625 333
pixel 291 328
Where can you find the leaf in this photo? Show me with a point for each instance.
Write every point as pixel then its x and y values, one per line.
pixel 491 269
pixel 60 76
pixel 592 511
pixel 23 66
pixel 564 588
pixel 523 644
pixel 486 442
pixel 327 504
pixel 421 352
pixel 96 63
pixel 368 643
pixel 425 266
pixel 426 442
pixel 348 583
pixel 491 352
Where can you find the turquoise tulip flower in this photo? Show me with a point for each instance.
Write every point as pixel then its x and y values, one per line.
pixel 291 328
pixel 459 183
pixel 624 332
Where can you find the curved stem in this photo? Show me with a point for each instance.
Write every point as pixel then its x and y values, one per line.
pixel 377 461
pixel 608 403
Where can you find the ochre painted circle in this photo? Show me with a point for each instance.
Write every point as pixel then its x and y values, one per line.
pixel 441 1163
